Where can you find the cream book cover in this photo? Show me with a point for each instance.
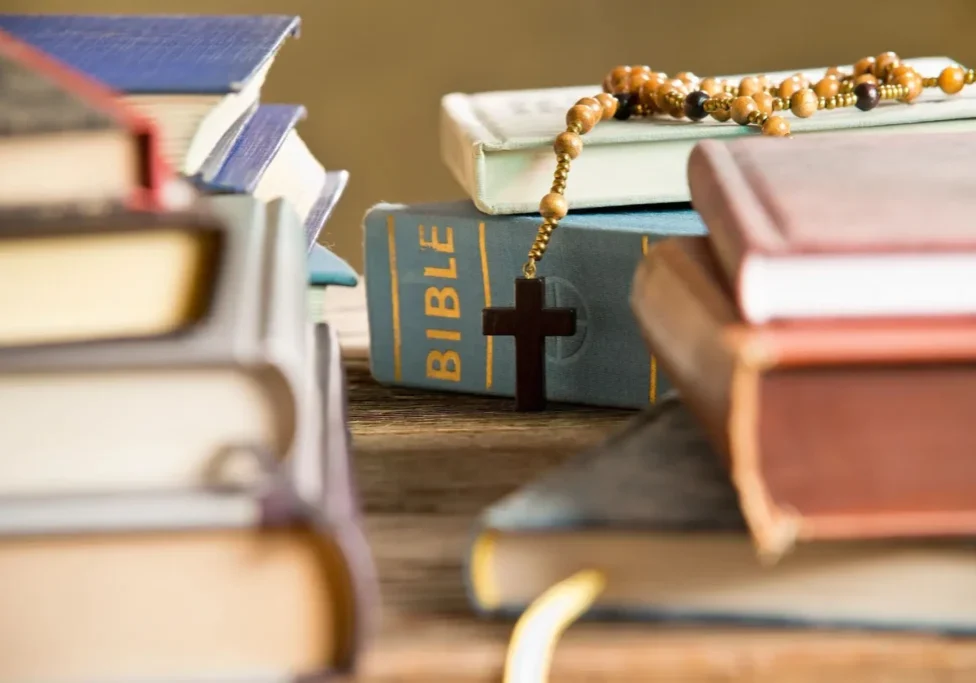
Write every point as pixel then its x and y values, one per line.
pixel 498 145
pixel 151 413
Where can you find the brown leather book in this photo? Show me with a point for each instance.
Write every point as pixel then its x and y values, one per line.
pixel 839 430
pixel 834 225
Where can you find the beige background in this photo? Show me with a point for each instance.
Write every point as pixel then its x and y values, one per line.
pixel 371 72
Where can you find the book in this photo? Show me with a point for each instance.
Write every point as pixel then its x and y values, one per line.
pixel 652 510
pixel 269 159
pixel 834 430
pixel 498 145
pixel 195 75
pixel 217 156
pixel 65 141
pixel 112 276
pixel 345 310
pixel 430 269
pixel 790 234
pixel 149 413
pixel 271 579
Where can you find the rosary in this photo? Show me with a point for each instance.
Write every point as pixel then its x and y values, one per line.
pixel 636 91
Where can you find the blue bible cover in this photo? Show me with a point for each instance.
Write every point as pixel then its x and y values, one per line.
pixel 430 269
pixel 160 54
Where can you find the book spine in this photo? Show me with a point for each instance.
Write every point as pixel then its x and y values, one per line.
pixel 428 277
pixel 682 318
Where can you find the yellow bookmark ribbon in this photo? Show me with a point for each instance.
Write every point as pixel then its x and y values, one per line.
pixel 537 631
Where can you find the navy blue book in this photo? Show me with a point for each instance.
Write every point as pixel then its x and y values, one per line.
pixel 269 159
pixel 195 74
pixel 218 155
pixel 254 149
pixel 651 518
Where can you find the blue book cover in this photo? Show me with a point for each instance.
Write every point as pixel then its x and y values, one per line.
pixel 159 54
pixel 654 511
pixel 431 269
pixel 218 155
pixel 255 147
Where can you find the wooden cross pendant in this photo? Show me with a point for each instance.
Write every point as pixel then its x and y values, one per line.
pixel 530 322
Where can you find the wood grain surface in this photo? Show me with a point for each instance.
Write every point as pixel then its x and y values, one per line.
pixel 428 463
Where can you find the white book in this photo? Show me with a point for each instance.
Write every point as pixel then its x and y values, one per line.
pixel 498 145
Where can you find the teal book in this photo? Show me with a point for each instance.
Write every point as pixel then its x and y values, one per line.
pixel 430 269
pixel 651 514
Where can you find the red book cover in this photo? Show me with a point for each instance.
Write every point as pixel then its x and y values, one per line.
pixel 841 225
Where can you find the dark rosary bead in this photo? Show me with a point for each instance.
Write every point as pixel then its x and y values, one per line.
pixel 625 105
pixel 695 105
pixel 867 96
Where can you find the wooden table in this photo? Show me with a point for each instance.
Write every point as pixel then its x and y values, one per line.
pixel 428 463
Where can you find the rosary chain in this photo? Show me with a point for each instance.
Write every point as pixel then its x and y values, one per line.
pixel 636 91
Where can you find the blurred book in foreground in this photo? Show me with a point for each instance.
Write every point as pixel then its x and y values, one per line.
pixel 653 511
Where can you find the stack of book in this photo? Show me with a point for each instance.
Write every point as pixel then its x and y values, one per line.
pixel 430 269
pixel 175 490
pixel 799 318
pixel 828 351
pixel 199 78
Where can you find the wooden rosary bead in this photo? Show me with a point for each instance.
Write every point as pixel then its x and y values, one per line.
pixel 884 63
pixel 688 78
pixel 776 126
pixel 554 206
pixel 661 97
pixel 828 86
pixel 789 86
pixel 899 70
pixel 804 103
pixel 569 143
pixel 766 82
pixel 583 116
pixel 750 85
pixel 764 101
pixel 865 78
pixel 835 72
pixel 721 112
pixel 952 79
pixel 742 106
pixel 712 86
pixel 609 104
pixel 864 66
pixel 638 76
pixel 694 107
pixel 593 103
pixel 617 80
pixel 627 104
pixel 867 95
pixel 912 82
pixel 647 96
